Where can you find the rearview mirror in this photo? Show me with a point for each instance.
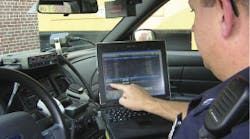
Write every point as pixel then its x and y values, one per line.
pixel 144 35
pixel 67 6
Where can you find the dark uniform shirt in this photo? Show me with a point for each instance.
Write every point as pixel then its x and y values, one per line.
pixel 189 129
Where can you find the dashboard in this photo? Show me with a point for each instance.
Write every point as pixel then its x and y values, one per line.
pixel 63 85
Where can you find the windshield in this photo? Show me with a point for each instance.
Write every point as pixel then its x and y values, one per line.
pixel 92 27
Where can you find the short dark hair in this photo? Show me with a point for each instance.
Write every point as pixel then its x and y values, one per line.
pixel 207 3
pixel 245 4
pixel 210 3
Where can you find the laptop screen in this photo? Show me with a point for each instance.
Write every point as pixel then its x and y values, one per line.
pixel 141 63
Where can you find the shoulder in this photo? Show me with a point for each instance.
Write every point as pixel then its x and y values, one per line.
pixel 240 131
pixel 213 92
pixel 198 109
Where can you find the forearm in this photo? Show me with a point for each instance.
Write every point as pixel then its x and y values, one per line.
pixel 166 109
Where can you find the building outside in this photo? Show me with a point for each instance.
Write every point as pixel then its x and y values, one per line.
pixel 18 28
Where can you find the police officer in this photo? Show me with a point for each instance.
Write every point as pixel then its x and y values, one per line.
pixel 221 30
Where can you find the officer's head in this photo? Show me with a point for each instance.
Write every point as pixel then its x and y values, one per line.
pixel 221 30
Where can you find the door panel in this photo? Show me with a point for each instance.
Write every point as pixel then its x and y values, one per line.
pixel 188 76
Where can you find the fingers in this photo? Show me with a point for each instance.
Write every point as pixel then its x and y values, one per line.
pixel 122 101
pixel 118 86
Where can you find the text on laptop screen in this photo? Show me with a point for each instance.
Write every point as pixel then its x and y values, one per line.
pixel 142 67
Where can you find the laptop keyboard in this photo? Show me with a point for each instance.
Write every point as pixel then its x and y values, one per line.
pixel 122 114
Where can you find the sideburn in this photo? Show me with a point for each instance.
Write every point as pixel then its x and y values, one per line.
pixel 207 3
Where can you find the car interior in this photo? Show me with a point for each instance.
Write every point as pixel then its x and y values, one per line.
pixel 54 92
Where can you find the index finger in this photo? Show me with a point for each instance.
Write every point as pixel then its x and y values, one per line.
pixel 118 86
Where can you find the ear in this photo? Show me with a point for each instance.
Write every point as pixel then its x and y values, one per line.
pixel 227 17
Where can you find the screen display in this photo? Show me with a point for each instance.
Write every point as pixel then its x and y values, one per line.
pixel 143 68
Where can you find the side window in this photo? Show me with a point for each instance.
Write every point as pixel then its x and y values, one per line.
pixel 173 22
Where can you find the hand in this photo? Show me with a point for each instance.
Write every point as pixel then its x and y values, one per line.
pixel 133 97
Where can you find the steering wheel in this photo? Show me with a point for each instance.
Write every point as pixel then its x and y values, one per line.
pixel 21 124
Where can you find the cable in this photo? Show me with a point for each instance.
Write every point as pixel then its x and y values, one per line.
pixel 64 60
pixel 72 126
pixel 92 77
pixel 79 38
pixel 84 82
pixel 72 134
